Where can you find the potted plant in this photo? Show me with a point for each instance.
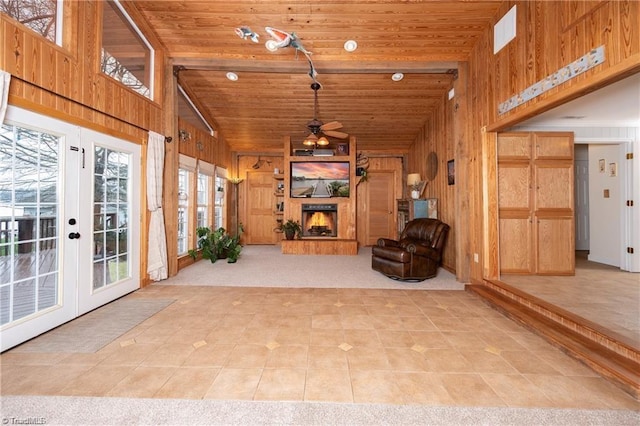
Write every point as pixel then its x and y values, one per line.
pixel 218 244
pixel 291 229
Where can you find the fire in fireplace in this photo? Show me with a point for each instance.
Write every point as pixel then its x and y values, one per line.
pixel 319 220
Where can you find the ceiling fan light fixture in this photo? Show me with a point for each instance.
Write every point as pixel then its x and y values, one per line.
pixel 350 45
pixel 397 76
pixel 323 141
pixel 232 76
pixel 310 140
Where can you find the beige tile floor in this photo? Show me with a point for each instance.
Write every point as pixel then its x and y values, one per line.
pixel 599 293
pixel 338 345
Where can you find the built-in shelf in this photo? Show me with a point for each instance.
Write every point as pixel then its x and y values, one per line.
pixel 278 203
pixel 345 240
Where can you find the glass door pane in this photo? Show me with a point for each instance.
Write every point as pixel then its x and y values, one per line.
pixel 110 217
pixel 29 223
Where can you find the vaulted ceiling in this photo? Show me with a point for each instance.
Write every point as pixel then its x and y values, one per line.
pixel 272 97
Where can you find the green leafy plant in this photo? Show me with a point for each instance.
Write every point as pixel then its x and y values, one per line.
pixel 291 229
pixel 218 244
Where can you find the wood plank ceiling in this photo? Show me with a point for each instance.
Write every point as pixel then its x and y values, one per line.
pixel 272 97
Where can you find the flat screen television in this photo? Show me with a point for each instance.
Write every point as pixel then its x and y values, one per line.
pixel 319 179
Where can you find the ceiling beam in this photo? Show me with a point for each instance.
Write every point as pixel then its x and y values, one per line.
pixel 300 66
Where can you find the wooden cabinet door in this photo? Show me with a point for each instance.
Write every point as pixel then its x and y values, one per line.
pixel 513 146
pixel 516 243
pixel 555 245
pixel 259 207
pixel 515 205
pixel 553 145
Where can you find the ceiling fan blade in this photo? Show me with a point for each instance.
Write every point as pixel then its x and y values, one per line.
pixel 335 134
pixel 332 125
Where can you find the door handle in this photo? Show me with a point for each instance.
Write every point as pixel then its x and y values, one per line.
pixel 74 235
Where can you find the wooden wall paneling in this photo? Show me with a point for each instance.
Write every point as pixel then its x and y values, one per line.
pixel 61 75
pixel 628 26
pixel 437 136
pixel 526 43
pixel 465 186
pixel 170 193
pixel 47 63
pixel 13 59
pixel 489 240
pixel 548 47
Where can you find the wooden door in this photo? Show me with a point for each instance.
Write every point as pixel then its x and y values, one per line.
pixel 379 216
pixel 259 228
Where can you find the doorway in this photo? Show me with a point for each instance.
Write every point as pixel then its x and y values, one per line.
pixel 69 215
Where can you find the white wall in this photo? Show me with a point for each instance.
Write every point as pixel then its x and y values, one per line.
pixel 604 212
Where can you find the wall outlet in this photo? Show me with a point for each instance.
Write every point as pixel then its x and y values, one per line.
pixel 476 258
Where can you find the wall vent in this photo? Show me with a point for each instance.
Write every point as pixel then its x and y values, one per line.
pixel 505 30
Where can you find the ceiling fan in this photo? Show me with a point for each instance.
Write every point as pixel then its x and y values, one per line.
pixel 317 127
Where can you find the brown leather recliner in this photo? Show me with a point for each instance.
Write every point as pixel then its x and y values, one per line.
pixel 416 255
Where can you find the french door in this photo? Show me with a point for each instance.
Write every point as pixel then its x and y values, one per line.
pixel 69 215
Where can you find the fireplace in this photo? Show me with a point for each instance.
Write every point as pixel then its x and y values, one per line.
pixel 319 220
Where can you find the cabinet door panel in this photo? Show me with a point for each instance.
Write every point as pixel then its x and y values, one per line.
pixel 556 246
pixel 514 186
pixel 514 145
pixel 554 187
pixel 515 245
pixel 553 146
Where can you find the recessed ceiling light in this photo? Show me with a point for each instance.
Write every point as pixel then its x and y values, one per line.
pixel 232 76
pixel 271 45
pixel 350 45
pixel 397 76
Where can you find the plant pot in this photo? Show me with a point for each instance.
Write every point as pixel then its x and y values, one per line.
pixel 289 235
pixel 415 194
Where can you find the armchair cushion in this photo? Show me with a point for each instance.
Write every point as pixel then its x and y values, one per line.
pixel 416 255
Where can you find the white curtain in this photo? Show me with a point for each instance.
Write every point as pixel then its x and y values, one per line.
pixel 5 78
pixel 157 252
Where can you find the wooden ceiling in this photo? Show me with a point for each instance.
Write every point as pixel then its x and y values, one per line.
pixel 272 98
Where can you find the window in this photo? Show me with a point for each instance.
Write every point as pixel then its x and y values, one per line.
pixel 202 211
pixel 184 176
pixel 42 16
pixel 206 189
pixel 187 203
pixel 127 56
pixel 220 206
